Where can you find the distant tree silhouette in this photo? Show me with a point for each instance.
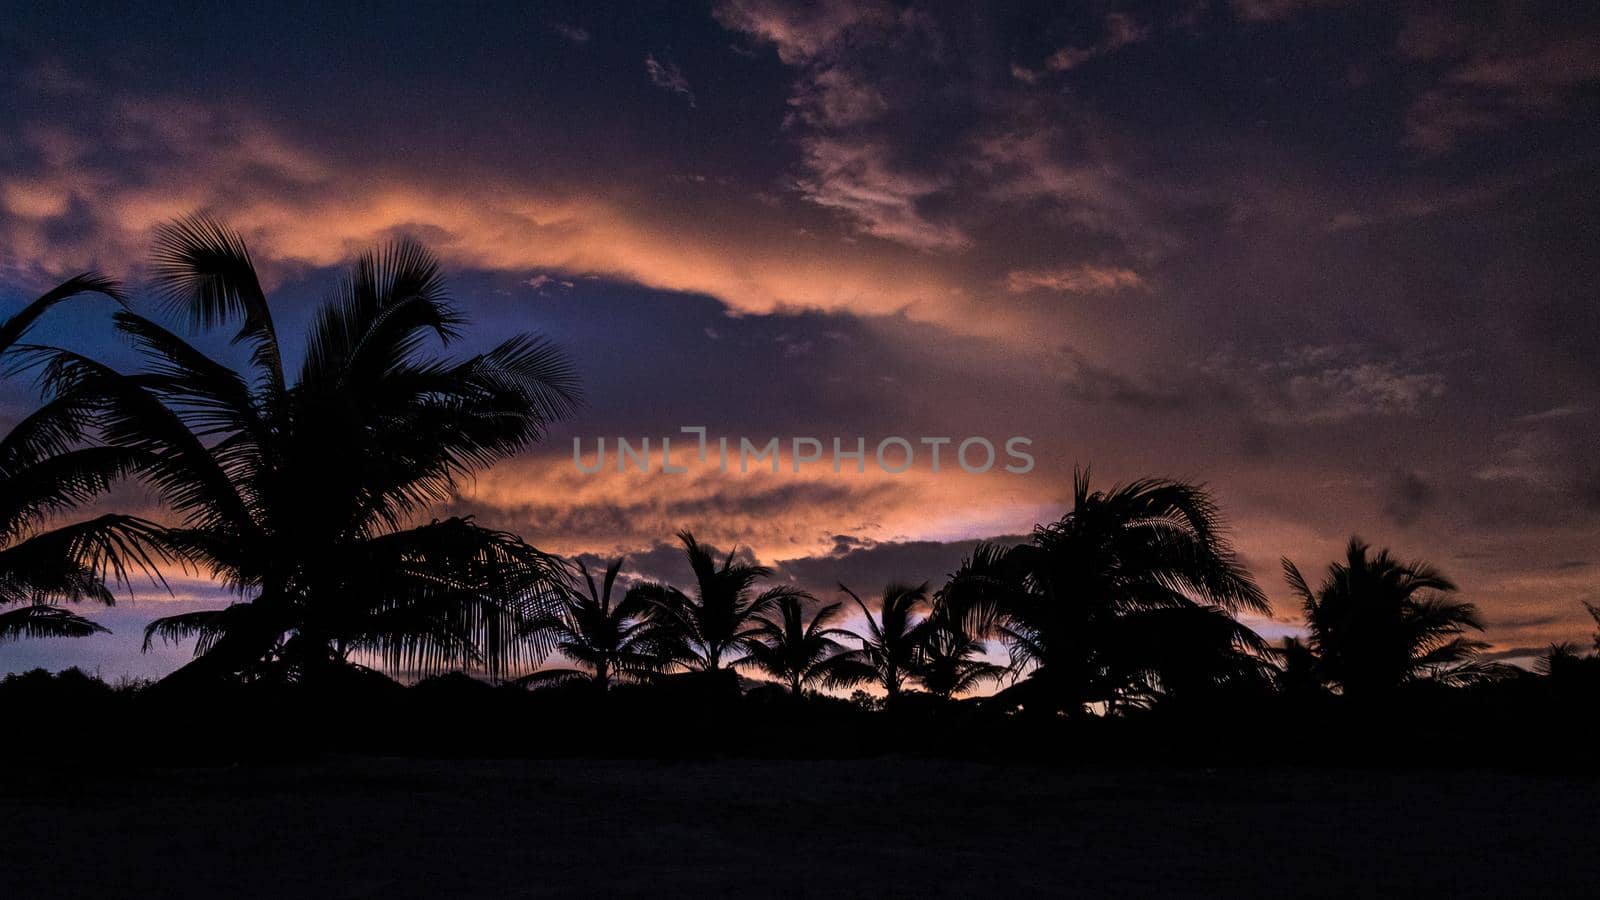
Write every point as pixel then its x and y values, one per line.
pixel 609 641
pixel 1377 623
pixel 1562 658
pixel 1297 673
pixel 802 653
pixel 46 469
pixel 1127 598
pixel 718 622
pixel 305 497
pixel 1571 666
pixel 891 648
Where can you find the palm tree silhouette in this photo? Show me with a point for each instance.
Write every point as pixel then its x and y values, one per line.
pixel 306 497
pixel 719 619
pixel 46 468
pixel 1128 597
pixel 1185 653
pixel 607 641
pixel 1377 623
pixel 891 649
pixel 950 659
pixel 800 653
pixel 951 662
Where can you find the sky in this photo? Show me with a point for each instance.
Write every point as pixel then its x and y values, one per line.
pixel 1335 260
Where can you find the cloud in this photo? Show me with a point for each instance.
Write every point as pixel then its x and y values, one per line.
pixel 1120 30
pixel 1365 388
pixel 851 159
pixel 1089 382
pixel 1562 411
pixel 1408 202
pixel 1278 10
pixel 1024 74
pixel 667 76
pixel 898 134
pixel 778 515
pixel 572 34
pixel 801 32
pixel 1030 158
pixel 1542 467
pixel 1410 494
pixel 74 202
pixel 833 98
pixel 1086 279
pixel 866 566
pixel 544 280
pixel 1525 456
pixel 859 179
pixel 1498 71
pixel 1324 385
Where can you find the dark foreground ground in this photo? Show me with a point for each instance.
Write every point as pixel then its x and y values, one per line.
pixel 359 827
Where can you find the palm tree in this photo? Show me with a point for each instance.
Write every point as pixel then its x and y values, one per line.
pixel 720 618
pixel 1185 654
pixel 45 470
pixel 606 641
pixel 800 653
pixel 1377 623
pixel 1128 597
pixel 891 649
pixel 950 660
pixel 308 498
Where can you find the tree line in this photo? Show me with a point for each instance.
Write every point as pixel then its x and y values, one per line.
pixel 308 497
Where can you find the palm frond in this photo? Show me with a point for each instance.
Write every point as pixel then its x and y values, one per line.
pixel 14 328
pixel 203 269
pixel 62 482
pixel 45 621
pixel 74 562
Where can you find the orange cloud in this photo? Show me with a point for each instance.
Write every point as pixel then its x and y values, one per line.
pixel 780 515
pixel 299 208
